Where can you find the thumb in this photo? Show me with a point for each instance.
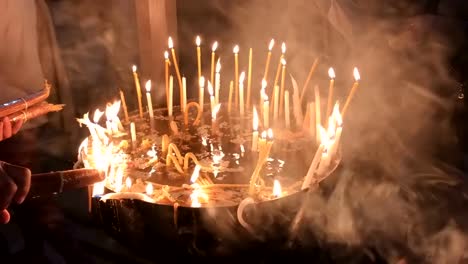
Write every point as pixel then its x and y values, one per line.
pixel 22 178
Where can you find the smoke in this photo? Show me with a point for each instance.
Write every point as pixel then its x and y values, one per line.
pixel 398 191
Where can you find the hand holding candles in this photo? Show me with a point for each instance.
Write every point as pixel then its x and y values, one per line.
pixel 198 42
pixel 331 74
pixel 138 90
pixel 255 130
pixel 357 77
pixel 148 99
pixel 241 94
pixel 201 93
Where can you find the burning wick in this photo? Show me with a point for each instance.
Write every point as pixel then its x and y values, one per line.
pixel 357 78
pixel 277 189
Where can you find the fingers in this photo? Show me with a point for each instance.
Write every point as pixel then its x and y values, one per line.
pixel 21 177
pixel 17 126
pixel 4 216
pixel 7 133
pixel 7 188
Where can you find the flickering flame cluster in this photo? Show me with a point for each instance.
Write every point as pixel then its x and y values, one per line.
pixel 101 153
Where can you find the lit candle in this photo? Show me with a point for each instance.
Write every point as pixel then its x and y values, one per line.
pixel 236 74
pixel 266 110
pixel 213 55
pixel 148 98
pixel 249 78
pixel 212 99
pixel 287 118
pixel 198 42
pixel 231 87
pixel 201 94
pixel 283 73
pixel 217 81
pixel 339 130
pixel 267 64
pixel 278 70
pixel 309 76
pixel 325 160
pixel 318 121
pixel 149 189
pixel 138 89
pixel 184 94
pixel 357 77
pixel 313 167
pixel 176 65
pixel 331 74
pixel 241 95
pixel 133 133
pixel 255 130
pixel 171 92
pixel 166 73
pixel 277 191
pixel 124 105
pixel 214 114
pixel 275 104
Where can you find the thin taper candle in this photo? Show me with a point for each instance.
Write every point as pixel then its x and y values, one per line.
pixel 309 76
pixel 198 42
pixel 217 82
pixel 231 87
pixel 331 74
pixel 249 78
pixel 201 93
pixel 275 104
pixel 278 69
pixel 213 55
pixel 148 98
pixel 267 63
pixel 124 106
pixel 184 94
pixel 138 90
pixel 170 102
pixel 166 73
pixel 357 77
pixel 176 66
pixel 287 117
pixel 236 74
pixel 283 76
pixel 241 95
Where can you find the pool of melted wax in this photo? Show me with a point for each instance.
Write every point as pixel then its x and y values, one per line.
pixel 220 147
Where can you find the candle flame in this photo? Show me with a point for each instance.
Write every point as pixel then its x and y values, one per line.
pixel 277 189
pixel 264 135
pixel 264 84
pixel 128 182
pixel 195 174
pixel 272 44
pixel 337 115
pixel 148 86
pixel 97 115
pixel 255 119
pixel 324 137
pixel 166 55
pixel 201 82
pixel 210 88
pixel 242 149
pixel 236 49
pixel 170 44
pixel 149 189
pixel 198 41
pixel 331 73
pixel 270 134
pixel 283 61
pixel 218 65
pixel 98 188
pixel 283 48
pixel 356 74
pixel 242 77
pixel 134 68
pixel 215 46
pixel 152 153
pixel 215 111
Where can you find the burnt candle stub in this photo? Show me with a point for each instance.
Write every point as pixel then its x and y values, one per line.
pixel 43 184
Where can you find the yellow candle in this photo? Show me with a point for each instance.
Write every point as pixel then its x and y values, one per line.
pixel 275 104
pixel 309 76
pixel 255 130
pixel 231 85
pixel 287 118
pixel 213 55
pixel 236 74
pixel 198 42
pixel 266 111
pixel 331 74
pixel 171 92
pixel 357 77
pixel 133 133
pixel 166 73
pixel 267 64
pixel 318 121
pixel 241 95
pixel 176 65
pixel 249 78
pixel 212 99
pixel 184 94
pixel 217 81
pixel 124 105
pixel 278 69
pixel 138 89
pixel 283 75
pixel 201 93
pixel 148 99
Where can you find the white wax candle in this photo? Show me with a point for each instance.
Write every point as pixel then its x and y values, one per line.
pixel 184 94
pixel 171 92
pixel 217 81
pixel 336 143
pixel 255 130
pixel 275 104
pixel 133 133
pixel 201 93
pixel 212 98
pixel 148 98
pixel 312 168
pixel 287 118
pixel 241 94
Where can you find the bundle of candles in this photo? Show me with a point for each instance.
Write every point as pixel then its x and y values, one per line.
pixel 173 156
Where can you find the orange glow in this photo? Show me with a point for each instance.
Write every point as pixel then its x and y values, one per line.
pixel 166 55
pixel 215 46
pixel 356 74
pixel 277 191
pixel 331 73
pixel 272 44
pixel 283 48
pixel 198 41
pixel 148 86
pixel 134 68
pixel 170 43
pixel 236 49
pixel 149 189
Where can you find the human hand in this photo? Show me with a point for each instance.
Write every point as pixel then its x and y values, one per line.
pixel 14 187
pixel 7 129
